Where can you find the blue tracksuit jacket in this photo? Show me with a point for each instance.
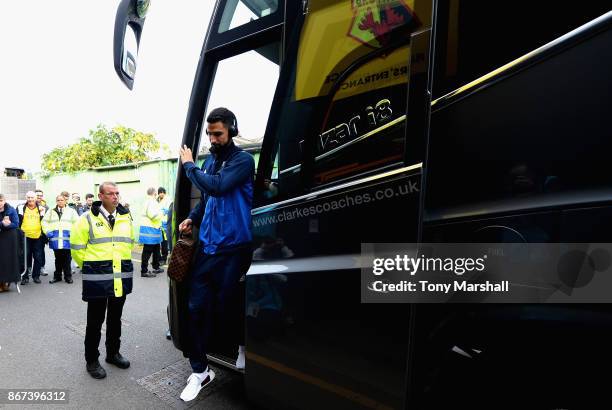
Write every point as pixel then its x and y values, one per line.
pixel 226 183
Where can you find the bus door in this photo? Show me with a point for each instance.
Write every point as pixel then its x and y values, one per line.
pixel 238 69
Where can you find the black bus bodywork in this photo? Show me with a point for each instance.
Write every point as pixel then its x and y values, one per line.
pixel 413 121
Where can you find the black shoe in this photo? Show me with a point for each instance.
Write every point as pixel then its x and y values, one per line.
pixel 118 360
pixel 95 370
pixel 25 281
pixel 158 270
pixel 69 280
pixel 44 274
pixel 55 280
pixel 168 335
pixel 147 275
pixel 36 280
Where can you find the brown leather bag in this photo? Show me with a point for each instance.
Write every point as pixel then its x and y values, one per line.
pixel 181 258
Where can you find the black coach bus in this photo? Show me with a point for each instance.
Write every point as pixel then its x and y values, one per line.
pixel 402 121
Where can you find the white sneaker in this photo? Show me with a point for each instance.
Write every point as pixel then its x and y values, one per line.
pixel 241 358
pixel 195 383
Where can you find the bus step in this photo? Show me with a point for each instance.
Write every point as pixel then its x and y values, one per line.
pixel 225 362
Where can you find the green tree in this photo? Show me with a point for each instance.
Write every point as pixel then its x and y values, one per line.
pixel 103 146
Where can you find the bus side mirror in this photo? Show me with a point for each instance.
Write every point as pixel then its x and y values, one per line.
pixel 129 22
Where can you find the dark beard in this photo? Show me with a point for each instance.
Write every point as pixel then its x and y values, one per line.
pixel 218 149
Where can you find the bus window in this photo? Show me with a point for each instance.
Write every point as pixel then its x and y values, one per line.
pixel 239 12
pixel 467 28
pixel 258 85
pixel 363 132
pixel 344 108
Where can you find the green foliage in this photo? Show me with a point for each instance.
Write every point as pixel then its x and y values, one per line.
pixel 119 145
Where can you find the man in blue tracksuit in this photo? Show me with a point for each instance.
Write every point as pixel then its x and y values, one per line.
pixel 224 216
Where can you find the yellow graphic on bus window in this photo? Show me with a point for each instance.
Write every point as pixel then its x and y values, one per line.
pixel 338 32
pixel 373 20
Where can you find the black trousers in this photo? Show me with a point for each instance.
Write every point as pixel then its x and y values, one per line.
pixel 164 250
pixel 35 250
pixel 96 310
pixel 44 257
pixel 147 251
pixel 62 264
pixel 216 296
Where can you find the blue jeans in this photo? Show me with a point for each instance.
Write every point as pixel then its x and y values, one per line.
pixel 215 295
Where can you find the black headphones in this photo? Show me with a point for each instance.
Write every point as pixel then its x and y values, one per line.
pixel 225 116
pixel 233 128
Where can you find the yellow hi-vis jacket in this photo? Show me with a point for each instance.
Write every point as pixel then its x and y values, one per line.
pixel 104 254
pixel 150 223
pixel 58 228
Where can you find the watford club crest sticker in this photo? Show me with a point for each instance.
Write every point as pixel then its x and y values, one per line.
pixel 375 20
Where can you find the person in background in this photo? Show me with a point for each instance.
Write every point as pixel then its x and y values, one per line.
pixel 9 244
pixel 89 198
pixel 41 201
pixel 164 205
pixel 150 234
pixel 30 217
pixel 40 198
pixel 76 204
pixel 57 225
pixel 170 226
pixel 66 195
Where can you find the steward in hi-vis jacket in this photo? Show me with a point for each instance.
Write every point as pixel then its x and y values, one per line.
pixel 57 224
pixel 101 242
pixel 150 234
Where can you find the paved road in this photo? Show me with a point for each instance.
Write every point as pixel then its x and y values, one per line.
pixel 41 347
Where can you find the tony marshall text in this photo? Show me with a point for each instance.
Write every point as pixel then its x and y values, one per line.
pixel 426 286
